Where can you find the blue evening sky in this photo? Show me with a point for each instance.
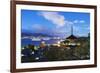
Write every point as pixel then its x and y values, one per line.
pixel 55 23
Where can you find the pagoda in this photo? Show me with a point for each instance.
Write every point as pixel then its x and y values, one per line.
pixel 70 40
pixel 72 36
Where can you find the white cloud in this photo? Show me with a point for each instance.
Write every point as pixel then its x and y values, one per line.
pixel 75 21
pixel 69 22
pixel 54 17
pixel 82 21
pixel 78 21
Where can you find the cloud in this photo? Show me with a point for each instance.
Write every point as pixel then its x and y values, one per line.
pixel 78 21
pixel 69 22
pixel 75 21
pixel 82 21
pixel 81 31
pixel 54 17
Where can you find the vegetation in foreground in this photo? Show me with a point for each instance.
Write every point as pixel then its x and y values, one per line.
pixel 61 52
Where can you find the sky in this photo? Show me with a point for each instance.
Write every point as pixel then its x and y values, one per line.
pixel 55 23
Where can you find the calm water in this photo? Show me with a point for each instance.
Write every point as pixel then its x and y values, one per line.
pixel 25 42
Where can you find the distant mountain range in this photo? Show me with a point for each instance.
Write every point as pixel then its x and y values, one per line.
pixel 35 34
pixel 27 33
pixel 43 34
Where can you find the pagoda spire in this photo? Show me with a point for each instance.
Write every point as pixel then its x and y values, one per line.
pixel 72 34
pixel 71 29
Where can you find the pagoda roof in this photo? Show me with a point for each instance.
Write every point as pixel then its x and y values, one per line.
pixel 71 37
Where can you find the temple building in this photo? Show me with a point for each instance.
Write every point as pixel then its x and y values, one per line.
pixel 71 38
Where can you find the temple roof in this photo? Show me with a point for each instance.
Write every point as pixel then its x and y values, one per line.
pixel 71 37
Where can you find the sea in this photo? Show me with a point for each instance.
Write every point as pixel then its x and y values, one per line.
pixel 25 42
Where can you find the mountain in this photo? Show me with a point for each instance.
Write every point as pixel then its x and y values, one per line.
pixel 43 34
pixel 35 34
